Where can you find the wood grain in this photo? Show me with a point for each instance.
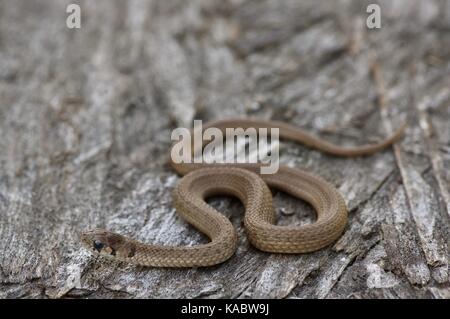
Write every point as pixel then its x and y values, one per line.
pixel 86 117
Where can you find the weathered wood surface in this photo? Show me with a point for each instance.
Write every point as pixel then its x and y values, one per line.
pixel 86 116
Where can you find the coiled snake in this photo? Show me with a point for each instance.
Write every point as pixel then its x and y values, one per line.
pixel 242 181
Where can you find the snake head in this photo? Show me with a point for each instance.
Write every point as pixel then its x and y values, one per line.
pixel 103 242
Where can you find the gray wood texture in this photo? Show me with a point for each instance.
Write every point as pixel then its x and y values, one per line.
pixel 86 117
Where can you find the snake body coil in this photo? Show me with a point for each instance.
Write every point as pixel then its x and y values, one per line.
pixel 242 181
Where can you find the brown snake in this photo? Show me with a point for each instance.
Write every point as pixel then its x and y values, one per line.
pixel 243 181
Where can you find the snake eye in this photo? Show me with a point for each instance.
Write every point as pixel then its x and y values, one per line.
pixel 98 245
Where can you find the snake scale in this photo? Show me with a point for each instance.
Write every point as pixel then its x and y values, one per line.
pixel 201 181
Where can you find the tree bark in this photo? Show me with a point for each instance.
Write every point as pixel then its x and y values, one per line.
pixel 86 116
